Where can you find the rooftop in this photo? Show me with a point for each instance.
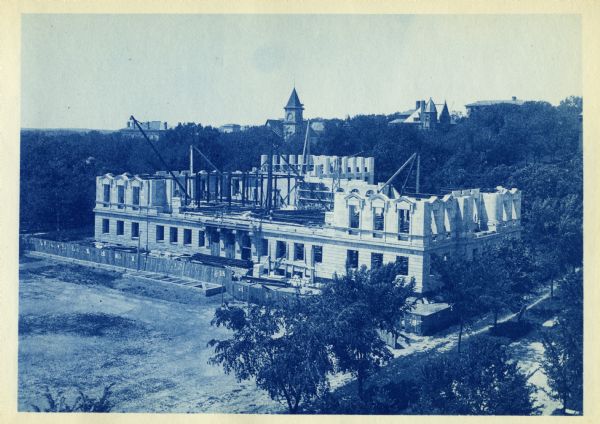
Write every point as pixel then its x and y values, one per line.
pixel 426 309
pixel 513 101
pixel 294 101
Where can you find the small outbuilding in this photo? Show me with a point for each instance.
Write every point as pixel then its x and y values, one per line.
pixel 427 318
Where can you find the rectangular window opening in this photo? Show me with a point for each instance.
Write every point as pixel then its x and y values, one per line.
pixel 135 229
pixel 201 240
pixel 402 262
pixel 352 259
pixel 121 194
pixel 376 260
pixel 187 236
pixel 318 254
pixel 136 196
pixel 105 226
pixel 298 251
pixel 354 216
pixel 120 228
pixel 264 247
pixel 378 219
pixel 173 234
pixel 403 221
pixel 106 194
pixel 281 250
pixel 160 233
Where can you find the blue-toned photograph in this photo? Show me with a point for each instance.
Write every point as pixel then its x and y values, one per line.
pixel 301 214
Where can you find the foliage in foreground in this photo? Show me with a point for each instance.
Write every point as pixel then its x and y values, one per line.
pixel 282 349
pixel 563 345
pixel 480 380
pixel 290 350
pixel 57 402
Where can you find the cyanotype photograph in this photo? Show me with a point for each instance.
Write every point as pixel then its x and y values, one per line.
pixel 350 214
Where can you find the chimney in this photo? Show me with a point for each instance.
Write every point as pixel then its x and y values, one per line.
pixel 165 125
pixel 514 98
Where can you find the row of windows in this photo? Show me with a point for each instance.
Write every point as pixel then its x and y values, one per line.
pixel 121 194
pixel 174 235
pixel 281 251
pixel 379 219
pixel 135 228
pixel 376 261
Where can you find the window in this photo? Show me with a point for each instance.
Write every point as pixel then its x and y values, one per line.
pixel 105 226
pixel 136 196
pixel 121 194
pixel 403 221
pixel 378 220
pixel 187 236
pixel 264 247
pixel 281 250
pixel 318 254
pixel 173 234
pixel 160 233
pixel 201 238
pixel 298 251
pixel 352 259
pixel 135 229
pixel 376 260
pixel 120 228
pixel 402 262
pixel 354 216
pixel 349 169
pixel 106 194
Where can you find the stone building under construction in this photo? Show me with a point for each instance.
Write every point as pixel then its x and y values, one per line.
pixel 308 216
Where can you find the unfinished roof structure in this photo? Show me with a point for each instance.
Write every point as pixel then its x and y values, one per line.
pixel 308 216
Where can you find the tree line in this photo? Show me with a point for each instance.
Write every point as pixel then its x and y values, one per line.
pixel 533 147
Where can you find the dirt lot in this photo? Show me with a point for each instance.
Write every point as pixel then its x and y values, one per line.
pixel 82 328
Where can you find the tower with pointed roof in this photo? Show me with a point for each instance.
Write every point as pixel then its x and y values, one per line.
pixel 293 121
pixel 444 119
pixel 429 115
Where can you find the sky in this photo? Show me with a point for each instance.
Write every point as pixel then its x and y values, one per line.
pixel 94 71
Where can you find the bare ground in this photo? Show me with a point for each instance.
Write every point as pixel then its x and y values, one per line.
pixel 83 328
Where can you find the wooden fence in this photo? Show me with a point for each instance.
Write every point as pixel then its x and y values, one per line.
pixel 84 252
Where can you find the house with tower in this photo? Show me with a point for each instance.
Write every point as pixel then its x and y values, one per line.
pixel 425 116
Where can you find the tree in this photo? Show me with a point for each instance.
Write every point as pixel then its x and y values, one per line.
pixel 563 343
pixel 484 380
pixel 506 272
pixel 283 349
pixel 387 283
pixel 462 285
pixel 353 335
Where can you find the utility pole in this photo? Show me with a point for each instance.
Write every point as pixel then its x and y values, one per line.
pixel 417 183
pixel 270 179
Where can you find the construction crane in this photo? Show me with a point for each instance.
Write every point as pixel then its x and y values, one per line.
pixel 183 189
pixel 415 157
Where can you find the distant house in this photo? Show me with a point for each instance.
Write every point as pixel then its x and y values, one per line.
pixel 230 128
pixel 425 116
pixel 153 129
pixel 482 104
